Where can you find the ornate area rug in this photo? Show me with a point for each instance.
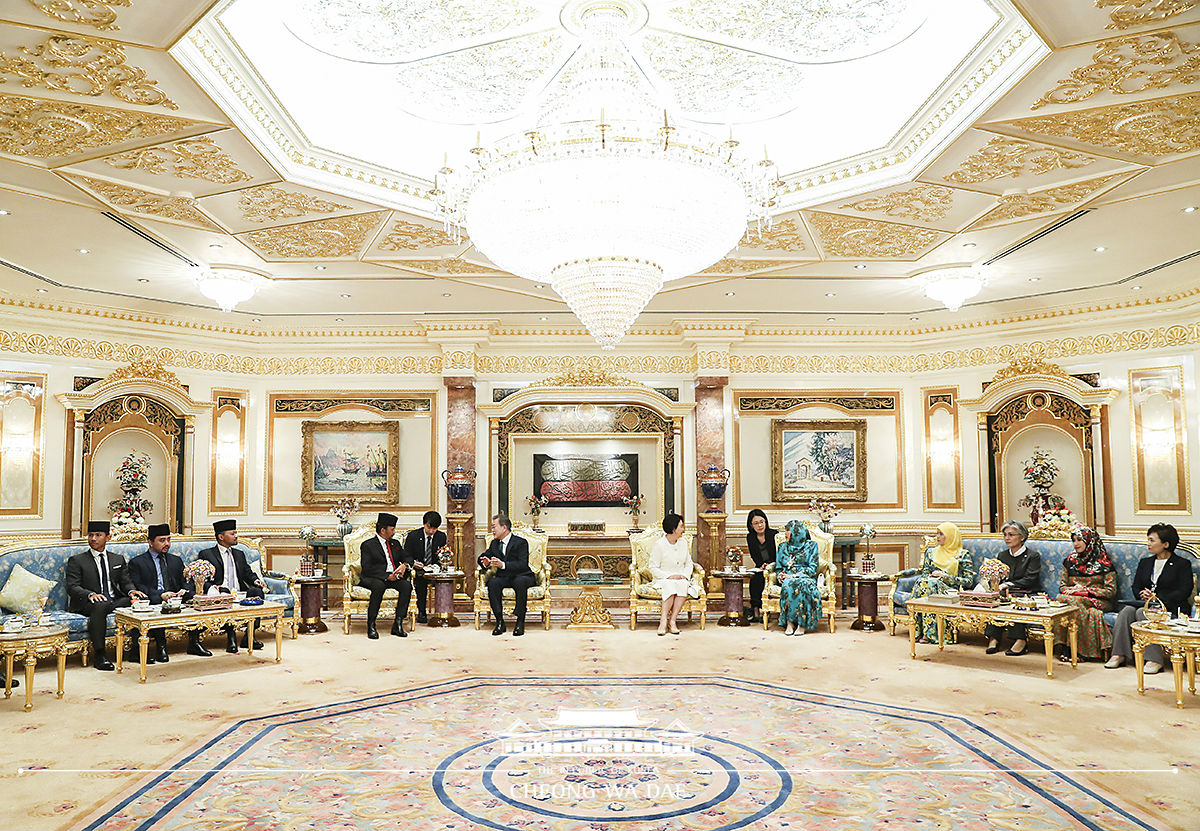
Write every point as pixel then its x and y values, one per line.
pixel 611 754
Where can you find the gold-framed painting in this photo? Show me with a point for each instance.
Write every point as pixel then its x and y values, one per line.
pixel 350 458
pixel 818 457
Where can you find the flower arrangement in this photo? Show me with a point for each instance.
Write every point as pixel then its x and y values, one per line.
pixel 1061 514
pixel 536 503
pixel 445 558
pixel 344 508
pixel 133 473
pixel 823 508
pixel 633 505
pixel 1041 469
pixel 199 571
pixel 992 573
pixel 308 533
pixel 733 558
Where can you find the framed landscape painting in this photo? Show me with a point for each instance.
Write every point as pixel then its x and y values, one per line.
pixel 826 458
pixel 584 480
pixel 350 458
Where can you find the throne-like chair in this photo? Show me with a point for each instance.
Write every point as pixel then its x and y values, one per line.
pixel 355 598
pixel 825 586
pixel 646 597
pixel 538 598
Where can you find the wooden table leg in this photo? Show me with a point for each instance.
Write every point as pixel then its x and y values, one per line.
pixel 30 663
pixel 143 652
pixel 62 667
pixel 1139 661
pixel 279 637
pixel 1176 657
pixel 1048 641
pixel 912 641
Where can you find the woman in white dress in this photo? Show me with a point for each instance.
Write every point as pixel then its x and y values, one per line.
pixel 671 567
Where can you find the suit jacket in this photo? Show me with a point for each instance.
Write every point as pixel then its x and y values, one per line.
pixel 1024 572
pixel 515 557
pixel 145 577
pixel 414 546
pixel 246 578
pixel 374 561
pixel 83 579
pixel 1174 586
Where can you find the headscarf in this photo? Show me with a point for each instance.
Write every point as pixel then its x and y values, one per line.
pixel 798 538
pixel 1094 559
pixel 945 556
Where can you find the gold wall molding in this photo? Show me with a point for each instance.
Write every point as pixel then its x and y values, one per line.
pixel 928 203
pixel 99 14
pixel 46 129
pixel 146 370
pixel 845 236
pixel 135 200
pixel 1125 14
pixel 198 158
pixel 408 236
pixel 1127 66
pixel 82 65
pixel 271 202
pixel 1157 128
pixel 1026 365
pixel 1014 206
pixel 587 377
pixel 616 365
pixel 1007 158
pixel 783 235
pixel 343 236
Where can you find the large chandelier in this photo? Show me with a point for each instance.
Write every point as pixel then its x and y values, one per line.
pixel 228 285
pixel 952 286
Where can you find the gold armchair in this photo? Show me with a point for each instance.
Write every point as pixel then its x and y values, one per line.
pixel 824 579
pixel 644 597
pixel 538 599
pixel 355 598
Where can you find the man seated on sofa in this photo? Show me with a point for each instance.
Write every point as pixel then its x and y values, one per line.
pixel 233 574
pixel 158 574
pixel 97 582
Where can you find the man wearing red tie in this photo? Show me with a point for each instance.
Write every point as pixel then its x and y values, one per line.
pixel 386 566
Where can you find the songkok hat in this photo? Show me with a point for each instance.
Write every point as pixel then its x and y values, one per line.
pixel 386 521
pixel 153 531
pixel 223 525
pixel 99 525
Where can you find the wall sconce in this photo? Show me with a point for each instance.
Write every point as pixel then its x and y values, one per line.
pixel 229 453
pixel 1158 444
pixel 942 451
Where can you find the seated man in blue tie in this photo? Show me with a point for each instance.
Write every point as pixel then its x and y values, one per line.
pixel 509 556
pixel 158 574
pixel 97 582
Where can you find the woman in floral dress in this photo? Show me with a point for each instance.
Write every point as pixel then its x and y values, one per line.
pixel 1089 583
pixel 945 567
pixel 796 564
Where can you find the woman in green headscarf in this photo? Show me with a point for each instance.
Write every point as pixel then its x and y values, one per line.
pixel 946 566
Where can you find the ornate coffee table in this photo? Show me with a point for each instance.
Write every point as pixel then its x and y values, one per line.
pixel 1179 644
pixel 32 643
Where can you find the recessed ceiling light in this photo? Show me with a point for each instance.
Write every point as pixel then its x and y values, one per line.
pixel 339 320
pixel 861 266
pixel 3 213
pixel 831 294
pixel 914 317
pixel 345 297
pixel 319 267
pixel 143 280
pixel 968 245
pixel 83 251
pixel 1190 209
pixel 543 317
pixel 446 294
pixel 730 293
pixel 1035 279
pixel 258 320
pixel 1135 288
pixel 1100 249
pixel 540 286
pixel 831 319
pixel 215 245
pixel 42 291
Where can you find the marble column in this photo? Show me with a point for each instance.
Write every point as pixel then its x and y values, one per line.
pixel 460 450
pixel 710 450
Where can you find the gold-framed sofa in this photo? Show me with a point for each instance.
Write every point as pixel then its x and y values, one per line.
pixel 355 598
pixel 644 597
pixel 538 599
pixel 825 583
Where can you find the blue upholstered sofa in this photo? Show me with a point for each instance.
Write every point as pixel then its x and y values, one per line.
pixel 1125 554
pixel 48 559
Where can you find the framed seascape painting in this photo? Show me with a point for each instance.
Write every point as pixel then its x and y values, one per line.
pixel 350 458
pixel 582 480
pixel 825 458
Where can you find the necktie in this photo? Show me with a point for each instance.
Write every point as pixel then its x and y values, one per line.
pixel 428 548
pixel 387 550
pixel 231 582
pixel 102 567
pixel 158 568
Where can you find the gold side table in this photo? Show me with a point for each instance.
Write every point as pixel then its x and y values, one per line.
pixel 1180 645
pixel 33 643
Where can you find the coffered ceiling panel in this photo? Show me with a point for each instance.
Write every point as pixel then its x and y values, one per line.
pixel 916 203
pixel 133 21
pixel 139 202
pixel 1061 199
pixel 38 180
pixel 1065 22
pixel 403 236
pixel 1176 176
pixel 267 206
pixel 864 239
pixel 341 238
pixel 787 236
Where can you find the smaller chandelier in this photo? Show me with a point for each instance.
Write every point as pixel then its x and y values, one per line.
pixel 952 286
pixel 228 285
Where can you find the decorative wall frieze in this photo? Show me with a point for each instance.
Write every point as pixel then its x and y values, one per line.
pixel 1129 65
pixel 928 203
pixel 845 236
pixel 1019 205
pixel 135 200
pixel 1156 128
pixel 1006 158
pixel 783 403
pixel 99 14
pixel 271 202
pixel 1125 14
pixel 47 129
pixel 553 364
pixel 343 236
pixel 783 235
pixel 282 405
pixel 198 158
pixel 409 236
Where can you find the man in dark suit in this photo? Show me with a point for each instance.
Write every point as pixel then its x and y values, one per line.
pixel 158 574
pixel 509 555
pixel 385 565
pixel 421 548
pixel 233 573
pixel 97 582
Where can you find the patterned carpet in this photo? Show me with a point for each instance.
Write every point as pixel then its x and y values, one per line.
pixel 557 754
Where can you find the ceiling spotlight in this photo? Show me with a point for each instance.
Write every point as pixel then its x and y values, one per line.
pixel 730 293
pixel 258 320
pixel 446 294
pixel 228 285
pixel 1100 249
pixel 831 294
pixel 968 245
pixel 339 320
pixel 952 286
pixel 861 266
pixel 830 319
pixel 215 245
pixel 345 297
pixel 1135 288
pixel 543 317
pixel 319 268
pixel 43 291
pixel 5 213
pixel 1190 209
pixel 143 280
pixel 1035 279
pixel 540 286
pixel 914 317
pixel 83 251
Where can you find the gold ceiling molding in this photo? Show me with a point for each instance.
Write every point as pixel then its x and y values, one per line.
pixel 99 14
pixel 447 265
pixel 271 202
pixel 344 236
pixel 145 370
pixel 1020 205
pixel 1128 13
pixel 134 200
pixel 1004 158
pixel 1126 66
pixel 733 266
pixel 47 129
pixel 587 376
pixel 1026 365
pixel 197 158
pixel 783 235
pixel 611 365
pixel 408 236
pixel 83 65
pixel 1162 127
pixel 928 203
pixel 845 236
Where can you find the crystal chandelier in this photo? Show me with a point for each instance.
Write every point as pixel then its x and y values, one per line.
pixel 228 285
pixel 605 199
pixel 952 286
